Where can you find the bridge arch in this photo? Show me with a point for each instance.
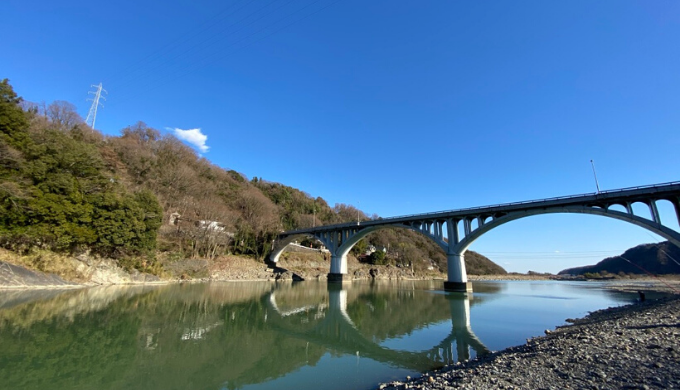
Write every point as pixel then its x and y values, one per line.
pixel 346 246
pixel 455 251
pixel 280 246
pixel 654 227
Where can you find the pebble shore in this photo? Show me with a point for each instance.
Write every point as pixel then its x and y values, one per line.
pixel 629 347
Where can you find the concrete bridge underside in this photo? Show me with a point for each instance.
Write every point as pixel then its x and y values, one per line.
pixel 454 231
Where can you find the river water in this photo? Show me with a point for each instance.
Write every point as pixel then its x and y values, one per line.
pixel 263 335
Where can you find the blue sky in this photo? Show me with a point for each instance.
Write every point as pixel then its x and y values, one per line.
pixel 398 107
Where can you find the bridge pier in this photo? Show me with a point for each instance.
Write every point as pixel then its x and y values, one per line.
pixel 338 269
pixel 461 331
pixel 337 278
pixel 457 276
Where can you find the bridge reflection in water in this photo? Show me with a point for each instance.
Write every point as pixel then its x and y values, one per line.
pixel 232 335
pixel 333 328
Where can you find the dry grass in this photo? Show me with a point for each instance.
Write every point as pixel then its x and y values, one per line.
pixel 44 261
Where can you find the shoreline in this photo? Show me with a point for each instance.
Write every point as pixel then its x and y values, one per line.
pixel 665 285
pixel 632 346
pixel 627 347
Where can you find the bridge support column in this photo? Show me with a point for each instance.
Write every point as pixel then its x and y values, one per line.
pixel 459 305
pixel 457 276
pixel 338 269
pixel 337 298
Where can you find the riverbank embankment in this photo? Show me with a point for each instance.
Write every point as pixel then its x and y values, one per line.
pixel 50 270
pixel 628 347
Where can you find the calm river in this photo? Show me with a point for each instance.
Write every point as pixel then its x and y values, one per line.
pixel 262 335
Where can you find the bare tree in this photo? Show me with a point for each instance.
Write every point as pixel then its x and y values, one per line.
pixel 212 232
pixel 63 115
pixel 348 213
pixel 259 221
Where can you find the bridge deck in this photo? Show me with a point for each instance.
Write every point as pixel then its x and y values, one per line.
pixel 633 194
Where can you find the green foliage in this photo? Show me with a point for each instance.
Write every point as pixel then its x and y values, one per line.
pixel 58 196
pixel 378 258
pixel 359 248
pixel 13 121
pixel 297 209
pixel 126 224
pixel 249 241
pixel 592 275
pixel 237 176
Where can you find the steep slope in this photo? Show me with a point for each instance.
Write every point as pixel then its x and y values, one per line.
pixel 478 264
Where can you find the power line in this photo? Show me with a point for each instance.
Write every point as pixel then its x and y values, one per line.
pixel 651 274
pixel 657 242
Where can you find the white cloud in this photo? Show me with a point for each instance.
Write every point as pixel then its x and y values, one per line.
pixel 193 137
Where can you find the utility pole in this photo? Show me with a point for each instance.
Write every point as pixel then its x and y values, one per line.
pixel 595 174
pixel 92 114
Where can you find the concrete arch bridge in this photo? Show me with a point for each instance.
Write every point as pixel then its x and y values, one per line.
pixel 454 231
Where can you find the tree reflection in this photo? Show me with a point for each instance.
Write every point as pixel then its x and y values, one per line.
pixel 214 336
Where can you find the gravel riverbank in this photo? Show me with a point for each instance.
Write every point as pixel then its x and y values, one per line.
pixel 629 347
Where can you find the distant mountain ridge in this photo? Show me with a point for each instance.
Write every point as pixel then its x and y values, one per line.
pixel 661 259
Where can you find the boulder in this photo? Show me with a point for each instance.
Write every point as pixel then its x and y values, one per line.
pixel 288 275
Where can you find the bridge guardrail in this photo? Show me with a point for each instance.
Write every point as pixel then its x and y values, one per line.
pixel 425 215
pixel 537 200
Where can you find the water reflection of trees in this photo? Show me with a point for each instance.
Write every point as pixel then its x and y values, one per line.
pixel 219 335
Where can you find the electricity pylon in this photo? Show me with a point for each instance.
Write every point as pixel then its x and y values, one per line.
pixel 95 103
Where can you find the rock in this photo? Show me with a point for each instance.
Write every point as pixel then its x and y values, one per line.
pixel 16 276
pixel 288 275
pixel 297 278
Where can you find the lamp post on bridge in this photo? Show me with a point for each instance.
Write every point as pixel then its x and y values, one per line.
pixel 358 213
pixel 597 185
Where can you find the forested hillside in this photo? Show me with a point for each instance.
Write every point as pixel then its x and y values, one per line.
pixel 661 259
pixel 58 192
pixel 67 188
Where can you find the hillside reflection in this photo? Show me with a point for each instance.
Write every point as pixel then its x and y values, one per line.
pixel 220 335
